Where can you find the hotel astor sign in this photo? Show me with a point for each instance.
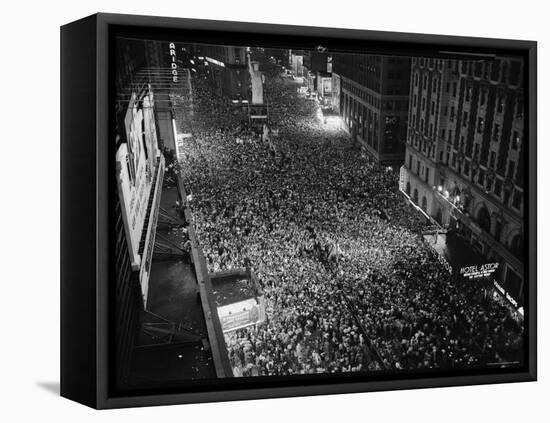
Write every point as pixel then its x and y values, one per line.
pixel 481 271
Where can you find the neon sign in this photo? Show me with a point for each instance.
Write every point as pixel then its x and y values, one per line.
pixel 475 272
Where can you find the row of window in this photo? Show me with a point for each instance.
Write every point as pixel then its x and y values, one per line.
pixel 367 119
pixel 451 88
pixel 362 94
pixel 488 181
pixel 504 71
pixel 422 171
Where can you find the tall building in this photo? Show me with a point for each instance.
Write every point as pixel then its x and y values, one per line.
pixel 227 68
pixel 465 155
pixel 372 95
pixel 318 73
pixel 296 62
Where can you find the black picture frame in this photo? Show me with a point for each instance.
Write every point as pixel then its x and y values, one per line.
pixel 86 361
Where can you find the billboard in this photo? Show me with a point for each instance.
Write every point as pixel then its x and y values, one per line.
pixel 241 314
pixel 181 139
pixel 326 87
pixel 149 246
pixel 137 161
pixel 336 91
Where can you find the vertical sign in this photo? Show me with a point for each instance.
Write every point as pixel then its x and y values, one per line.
pixel 173 62
pixel 402 172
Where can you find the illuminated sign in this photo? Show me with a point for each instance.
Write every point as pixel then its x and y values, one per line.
pixel 505 294
pixel 181 139
pixel 149 246
pixel 134 179
pixel 256 79
pixel 242 314
pixel 215 62
pixel 402 173
pixel 173 62
pixel 475 272
pixel 327 86
pixel 336 89
pixel 136 163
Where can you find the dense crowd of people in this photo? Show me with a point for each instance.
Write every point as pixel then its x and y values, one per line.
pixel 349 283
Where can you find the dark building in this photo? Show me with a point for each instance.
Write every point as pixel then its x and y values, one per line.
pixel 226 67
pixel 372 96
pixel 465 155
pixel 318 72
pixel 280 56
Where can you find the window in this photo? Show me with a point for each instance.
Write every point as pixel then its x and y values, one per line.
pixel 488 184
pixel 515 69
pixel 515 140
pixel 454 89
pixel 516 200
pixel 432 110
pixel 443 134
pixel 448 87
pixel 452 117
pixel 468 93
pixel 483 97
pixel 466 168
pixel 492 160
pixel 465 119
pixel 481 177
pixel 511 168
pixel 506 198
pixel 498 230
pixel 410 161
pixel 480 124
pixel 496 131
pixel 427 175
pixel 500 104
pixel 498 187
pixel 414 100
pixel 416 79
pixel 423 104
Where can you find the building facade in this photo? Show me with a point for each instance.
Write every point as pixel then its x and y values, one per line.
pixel 372 93
pixel 318 73
pixel 227 69
pixel 465 155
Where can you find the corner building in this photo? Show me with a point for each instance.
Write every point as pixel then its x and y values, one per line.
pixel 465 155
pixel 372 95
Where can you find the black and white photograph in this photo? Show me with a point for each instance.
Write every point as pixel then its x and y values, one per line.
pixel 283 212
